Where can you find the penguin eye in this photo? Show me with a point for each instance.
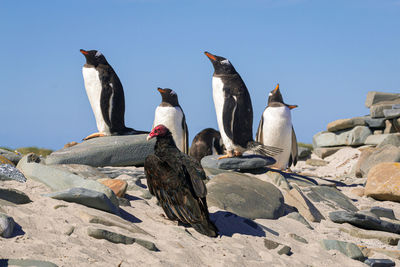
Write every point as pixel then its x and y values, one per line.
pixel 98 54
pixel 173 92
pixel 226 62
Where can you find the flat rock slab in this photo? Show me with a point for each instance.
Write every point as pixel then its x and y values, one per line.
pixel 324 152
pixel 85 171
pixel 245 162
pixel 378 139
pixel 353 137
pixel 364 221
pixel 377 110
pixel 127 150
pixel 8 172
pixel 26 262
pixel 383 212
pixel 330 196
pixel 385 237
pixel 58 180
pixel 245 196
pixel 379 262
pixel 15 196
pixel 119 238
pixel 374 97
pixel 391 113
pixel 86 197
pixel 375 122
pixel 343 124
pixel 349 249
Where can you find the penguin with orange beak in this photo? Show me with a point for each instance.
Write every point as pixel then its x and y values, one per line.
pixel 276 129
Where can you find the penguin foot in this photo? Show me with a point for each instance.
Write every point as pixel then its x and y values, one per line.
pixel 230 154
pixel 94 135
pixel 237 154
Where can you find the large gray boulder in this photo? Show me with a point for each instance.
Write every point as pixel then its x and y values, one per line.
pixel 8 172
pixel 349 249
pixel 374 122
pixel 245 196
pixel 374 97
pixel 383 139
pixel 58 179
pixel 11 156
pixel 127 150
pixel 353 137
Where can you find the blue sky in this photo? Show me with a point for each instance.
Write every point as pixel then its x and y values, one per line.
pixel 325 54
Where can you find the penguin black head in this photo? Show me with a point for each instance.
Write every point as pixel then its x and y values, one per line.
pixel 94 57
pixel 169 96
pixel 221 64
pixel 275 96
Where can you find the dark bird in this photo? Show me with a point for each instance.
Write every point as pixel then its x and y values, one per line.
pixel 206 142
pixel 276 129
pixel 170 114
pixel 106 96
pixel 176 180
pixel 234 110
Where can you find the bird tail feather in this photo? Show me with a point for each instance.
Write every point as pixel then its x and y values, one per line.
pixel 206 227
pixel 269 151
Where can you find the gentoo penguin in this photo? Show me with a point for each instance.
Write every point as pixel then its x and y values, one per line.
pixel 234 110
pixel 170 114
pixel 276 129
pixel 106 95
pixel 206 142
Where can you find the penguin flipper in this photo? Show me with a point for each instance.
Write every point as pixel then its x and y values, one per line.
pixel 228 115
pixel 294 150
pixel 259 134
pixel 105 102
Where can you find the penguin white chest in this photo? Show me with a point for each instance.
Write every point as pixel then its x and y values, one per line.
pixel 172 118
pixel 93 91
pixel 219 97
pixel 277 132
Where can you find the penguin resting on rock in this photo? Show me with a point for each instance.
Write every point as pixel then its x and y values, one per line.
pixel 234 111
pixel 170 114
pixel 206 142
pixel 276 129
pixel 106 96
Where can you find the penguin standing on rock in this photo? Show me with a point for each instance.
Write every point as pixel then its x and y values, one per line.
pixel 276 129
pixel 106 96
pixel 170 114
pixel 234 110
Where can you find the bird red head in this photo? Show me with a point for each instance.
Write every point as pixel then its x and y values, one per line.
pixel 159 130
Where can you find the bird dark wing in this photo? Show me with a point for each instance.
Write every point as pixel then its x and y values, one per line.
pixel 185 134
pixel 237 116
pixel 294 149
pixel 259 135
pixel 196 175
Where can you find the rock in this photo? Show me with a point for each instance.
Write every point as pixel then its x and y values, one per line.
pixel 58 179
pixel 282 249
pixel 108 219
pixel 383 182
pixel 70 229
pixel 349 249
pixel 119 238
pixel 278 180
pixel 375 132
pixel 343 124
pixel 371 157
pixel 387 238
pixel 117 186
pixel 4 160
pixel 330 196
pixel 391 113
pixel 297 199
pixel 87 197
pixel 303 152
pixel 7 225
pixel 389 127
pixel 377 97
pixel 391 139
pixel 383 139
pixel 391 253
pixel 383 212
pixel 245 196
pixel 376 111
pixel 358 191
pixel 84 171
pixel 379 262
pixel 9 172
pixel 298 238
pixel 352 137
pixel 26 262
pixel 126 150
pixel 324 152
pixel 11 156
pixel 316 162
pixel 245 162
pixel 297 216
pixel 374 123
pixel 123 202
pixel 15 196
pixel 364 221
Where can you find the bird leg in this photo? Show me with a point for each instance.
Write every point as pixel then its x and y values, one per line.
pixel 94 135
pixel 238 154
pixel 229 154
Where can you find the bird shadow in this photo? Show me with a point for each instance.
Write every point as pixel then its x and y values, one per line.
pixel 128 217
pixel 18 231
pixel 229 224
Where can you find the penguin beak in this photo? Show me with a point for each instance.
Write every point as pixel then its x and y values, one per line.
pixel 292 106
pixel 210 56
pixel 84 52
pixel 276 89
pixel 161 90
